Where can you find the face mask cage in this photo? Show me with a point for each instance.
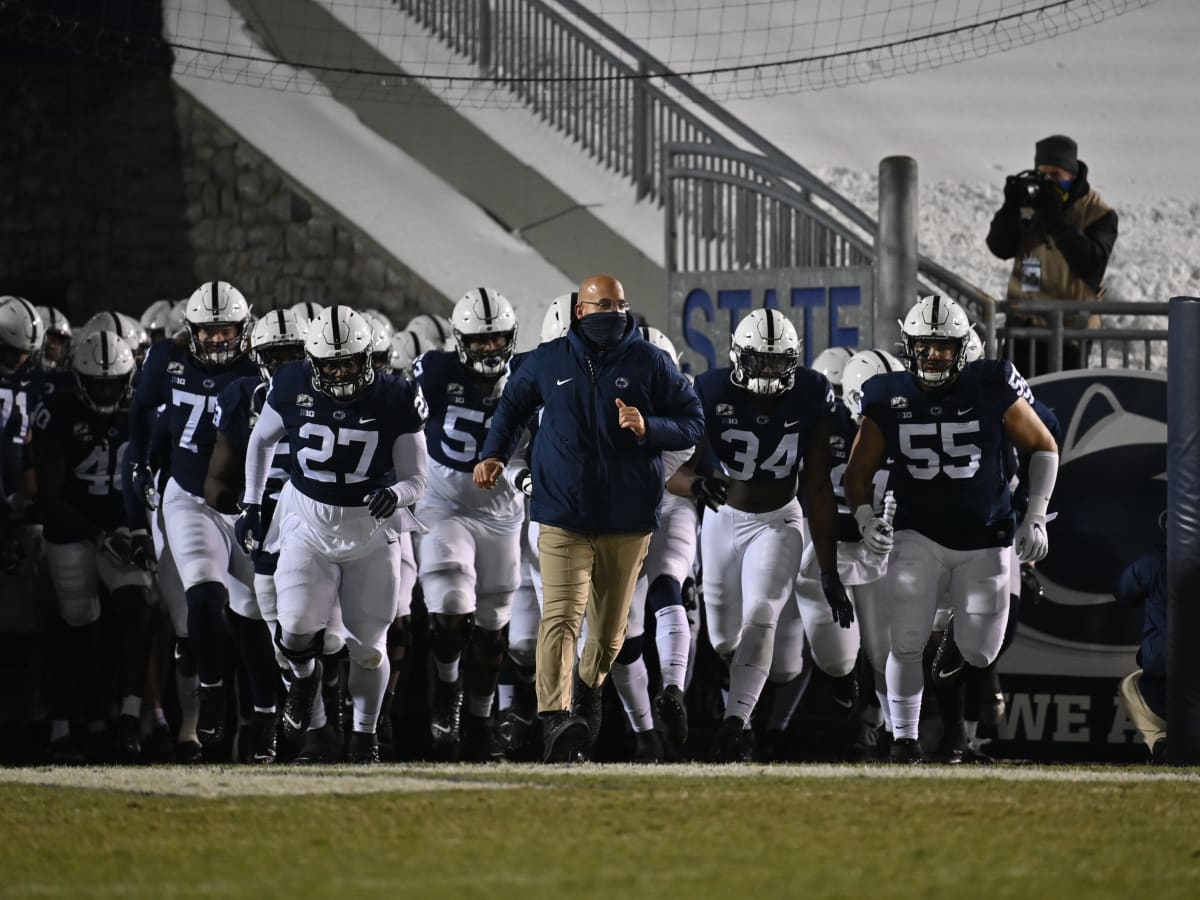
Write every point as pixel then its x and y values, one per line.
pixel 272 356
pixel 491 361
pixel 765 373
pixel 104 393
pixel 218 353
pixel 342 387
pixel 918 356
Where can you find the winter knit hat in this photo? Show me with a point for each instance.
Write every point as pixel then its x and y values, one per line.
pixel 1057 150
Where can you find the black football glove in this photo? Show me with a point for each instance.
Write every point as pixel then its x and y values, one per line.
pixel 382 502
pixel 713 491
pixel 839 602
pixel 143 485
pixel 249 529
pixel 141 550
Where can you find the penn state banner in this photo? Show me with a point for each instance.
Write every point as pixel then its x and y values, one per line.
pixel 1075 643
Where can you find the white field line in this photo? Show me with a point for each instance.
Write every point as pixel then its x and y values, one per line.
pixel 225 781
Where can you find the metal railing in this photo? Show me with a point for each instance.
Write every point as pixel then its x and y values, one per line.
pixel 1110 343
pixel 625 108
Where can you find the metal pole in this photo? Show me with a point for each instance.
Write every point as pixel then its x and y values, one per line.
pixel 896 247
pixel 484 49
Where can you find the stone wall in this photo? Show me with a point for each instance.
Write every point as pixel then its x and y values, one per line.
pixel 117 188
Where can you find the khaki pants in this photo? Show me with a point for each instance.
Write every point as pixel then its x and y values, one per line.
pixel 582 572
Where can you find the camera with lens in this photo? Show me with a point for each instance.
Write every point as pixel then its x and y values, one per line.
pixel 1025 186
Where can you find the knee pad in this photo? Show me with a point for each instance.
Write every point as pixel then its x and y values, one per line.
pixel 523 656
pixel 185 663
pixel 487 644
pixel 210 595
pixel 664 591
pixel 78 611
pixel 631 651
pixel 333 642
pixel 366 657
pixel 448 592
pixel 448 635
pixel 312 651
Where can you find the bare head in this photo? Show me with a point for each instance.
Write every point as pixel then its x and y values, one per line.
pixel 600 293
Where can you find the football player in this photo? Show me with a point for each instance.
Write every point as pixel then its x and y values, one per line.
pixel 275 340
pixel 763 417
pixel 22 334
pixel 80 427
pixel 470 558
pixel 128 328
pixel 358 465
pixel 948 427
pixel 304 312
pixel 155 318
pixel 188 375
pixel 57 347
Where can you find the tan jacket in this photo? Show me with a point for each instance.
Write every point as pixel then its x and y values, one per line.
pixel 1057 281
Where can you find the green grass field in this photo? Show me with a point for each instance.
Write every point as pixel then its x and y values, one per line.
pixel 592 831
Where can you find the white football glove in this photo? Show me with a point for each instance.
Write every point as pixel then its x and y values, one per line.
pixel 1031 541
pixel 877 530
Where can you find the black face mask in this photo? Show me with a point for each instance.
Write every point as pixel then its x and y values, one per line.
pixel 604 329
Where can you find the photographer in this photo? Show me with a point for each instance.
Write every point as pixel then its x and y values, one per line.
pixel 1059 235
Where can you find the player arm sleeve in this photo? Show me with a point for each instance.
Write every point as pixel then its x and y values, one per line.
pixel 518 403
pixel 677 419
pixel 410 460
pixel 268 431
pixel 1043 472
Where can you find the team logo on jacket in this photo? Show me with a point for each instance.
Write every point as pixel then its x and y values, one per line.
pixel 81 430
pixel 763 420
pixel 724 409
pixel 209 383
pixel 339 414
pixel 174 368
pixel 1113 421
pixel 935 410
pixel 622 382
pixel 304 400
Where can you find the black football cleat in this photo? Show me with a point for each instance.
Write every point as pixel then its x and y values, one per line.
pixel 733 742
pixel 297 709
pixel 586 704
pixel 127 740
pixel 671 715
pixel 649 748
pixel 363 749
pixel 481 740
pixel 188 753
pixel 321 745
pixel 906 751
pixel 210 727
pixel 262 738
pixel 445 720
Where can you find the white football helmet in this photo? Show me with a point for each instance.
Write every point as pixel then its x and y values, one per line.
pixel 127 328
pixel 485 331
pixel 934 323
pixel 831 362
pixel 378 318
pixel 381 342
pixel 858 369
pixel 406 347
pixel 22 333
pixel 156 318
pixel 765 352
pixel 305 311
pixel 338 344
pixel 103 364
pixel 56 346
pixel 176 321
pixel 216 304
pixel 276 339
pixel 974 349
pixel 434 331
pixel 559 315
pixel 661 341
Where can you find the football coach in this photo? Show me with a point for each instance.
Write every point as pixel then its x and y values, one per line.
pixel 611 402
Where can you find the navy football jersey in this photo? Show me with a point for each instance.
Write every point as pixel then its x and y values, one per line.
pixel 950 452
pixel 237 411
pixel 841 439
pixel 759 438
pixel 171 376
pixel 92 448
pixel 19 393
pixel 460 409
pixel 343 451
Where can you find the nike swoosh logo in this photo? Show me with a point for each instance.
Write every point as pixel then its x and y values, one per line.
pixel 963 412
pixel 365 421
pixel 844 704
pixel 947 675
pixel 441 729
pixel 563 381
pixel 791 424
pixel 291 723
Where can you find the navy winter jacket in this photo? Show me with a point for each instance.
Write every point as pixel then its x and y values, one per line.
pixel 590 475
